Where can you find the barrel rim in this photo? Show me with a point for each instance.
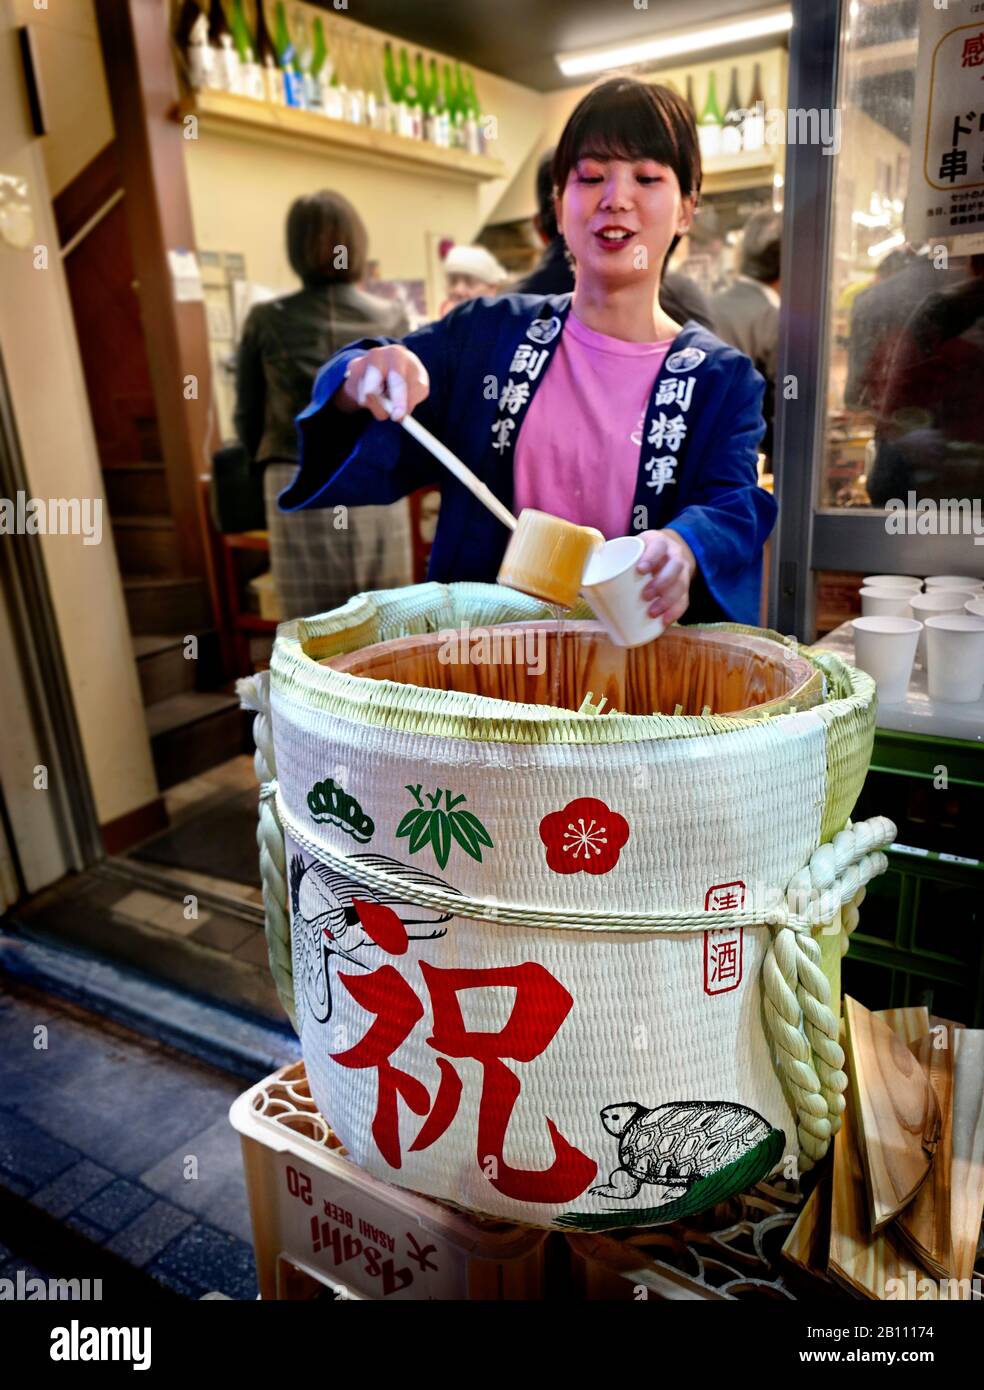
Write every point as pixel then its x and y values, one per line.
pixel 301 646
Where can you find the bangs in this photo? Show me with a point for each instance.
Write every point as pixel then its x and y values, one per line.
pixel 627 119
pixel 627 126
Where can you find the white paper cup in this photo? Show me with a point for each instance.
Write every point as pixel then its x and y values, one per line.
pixel 886 603
pixel 975 606
pixel 613 587
pixel 955 581
pixel 955 653
pixel 886 649
pixel 931 605
pixel 892 581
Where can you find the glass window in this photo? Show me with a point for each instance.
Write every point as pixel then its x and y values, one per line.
pixel 905 380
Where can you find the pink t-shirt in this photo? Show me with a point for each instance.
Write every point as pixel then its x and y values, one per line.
pixel 577 455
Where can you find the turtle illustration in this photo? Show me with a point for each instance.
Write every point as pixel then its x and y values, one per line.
pixel 676 1145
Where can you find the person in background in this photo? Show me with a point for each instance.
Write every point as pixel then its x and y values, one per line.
pixel 747 313
pixel 679 296
pixel 471 271
pixel 319 559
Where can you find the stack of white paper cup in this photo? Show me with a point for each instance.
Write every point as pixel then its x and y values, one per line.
pixel 886 603
pixel 931 605
pixel 955 657
pixel 893 581
pixel 886 648
pixel 955 581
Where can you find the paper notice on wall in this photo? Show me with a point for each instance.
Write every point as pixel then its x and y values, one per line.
pixel 186 276
pixel 946 179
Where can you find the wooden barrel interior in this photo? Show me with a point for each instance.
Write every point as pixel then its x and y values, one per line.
pixel 550 663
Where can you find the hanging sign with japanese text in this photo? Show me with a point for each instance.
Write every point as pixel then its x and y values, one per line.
pixel 946 179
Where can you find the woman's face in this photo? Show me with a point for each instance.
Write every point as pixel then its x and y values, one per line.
pixel 619 216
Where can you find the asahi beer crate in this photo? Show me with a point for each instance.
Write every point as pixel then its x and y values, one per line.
pixel 320 1220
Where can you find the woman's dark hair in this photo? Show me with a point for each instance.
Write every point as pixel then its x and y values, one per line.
pixel 623 118
pixel 326 239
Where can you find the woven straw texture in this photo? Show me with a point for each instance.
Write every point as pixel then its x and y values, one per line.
pixel 567 1048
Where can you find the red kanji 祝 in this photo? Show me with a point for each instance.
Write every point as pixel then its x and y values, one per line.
pixel 539 1008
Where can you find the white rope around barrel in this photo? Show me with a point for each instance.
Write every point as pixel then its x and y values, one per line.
pixel 801 1024
pixel 254 694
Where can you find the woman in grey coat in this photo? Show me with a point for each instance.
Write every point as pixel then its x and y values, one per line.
pixel 319 558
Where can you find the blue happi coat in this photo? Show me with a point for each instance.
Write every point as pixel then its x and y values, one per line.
pixel 697 464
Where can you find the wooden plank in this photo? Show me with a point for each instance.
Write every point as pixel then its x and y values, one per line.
pixel 910 1024
pixel 924 1225
pixel 808 1244
pixel 967 1166
pixel 897 1113
pixel 861 1262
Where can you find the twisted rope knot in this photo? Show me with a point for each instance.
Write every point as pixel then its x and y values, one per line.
pixel 801 1024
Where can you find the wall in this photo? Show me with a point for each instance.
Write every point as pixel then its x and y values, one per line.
pixel 75 98
pixel 240 192
pixel 41 359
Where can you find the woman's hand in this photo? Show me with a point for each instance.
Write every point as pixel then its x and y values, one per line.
pixel 670 561
pixel 391 371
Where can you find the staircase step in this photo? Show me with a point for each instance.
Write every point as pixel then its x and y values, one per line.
pixel 146 545
pixel 193 731
pixel 165 669
pixel 162 604
pixel 136 489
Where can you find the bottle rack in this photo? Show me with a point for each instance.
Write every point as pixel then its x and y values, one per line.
pixel 262 122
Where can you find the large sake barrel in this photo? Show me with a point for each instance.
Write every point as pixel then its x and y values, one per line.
pixel 555 907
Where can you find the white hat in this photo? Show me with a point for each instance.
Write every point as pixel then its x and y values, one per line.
pixel 476 261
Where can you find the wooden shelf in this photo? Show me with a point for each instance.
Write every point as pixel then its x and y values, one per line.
pixel 263 123
pixel 725 173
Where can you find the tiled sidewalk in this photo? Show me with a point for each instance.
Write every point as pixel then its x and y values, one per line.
pixel 126 1144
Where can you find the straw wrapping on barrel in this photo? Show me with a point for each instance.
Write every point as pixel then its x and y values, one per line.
pixel 796 994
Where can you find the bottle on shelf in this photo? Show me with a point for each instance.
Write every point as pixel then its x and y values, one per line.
pixel 250 73
pixel 438 119
pixel 273 78
pixel 734 119
pixel 192 38
pixel 319 67
pixel 755 120
pixel 710 125
pixel 408 96
pixel 225 59
pixel 476 110
pixel 469 125
pixel 354 98
pixel 287 57
pixel 420 89
pixel 691 101
pixel 455 114
pixel 368 82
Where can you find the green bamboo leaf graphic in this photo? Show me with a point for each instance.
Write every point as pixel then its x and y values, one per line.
pixel 421 832
pixel 465 837
pixel 476 827
pixel 440 837
pixel 409 821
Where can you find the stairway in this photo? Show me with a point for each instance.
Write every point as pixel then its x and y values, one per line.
pixel 193 720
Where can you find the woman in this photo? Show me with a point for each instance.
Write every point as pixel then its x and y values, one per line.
pixel 595 406
pixel 319 559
